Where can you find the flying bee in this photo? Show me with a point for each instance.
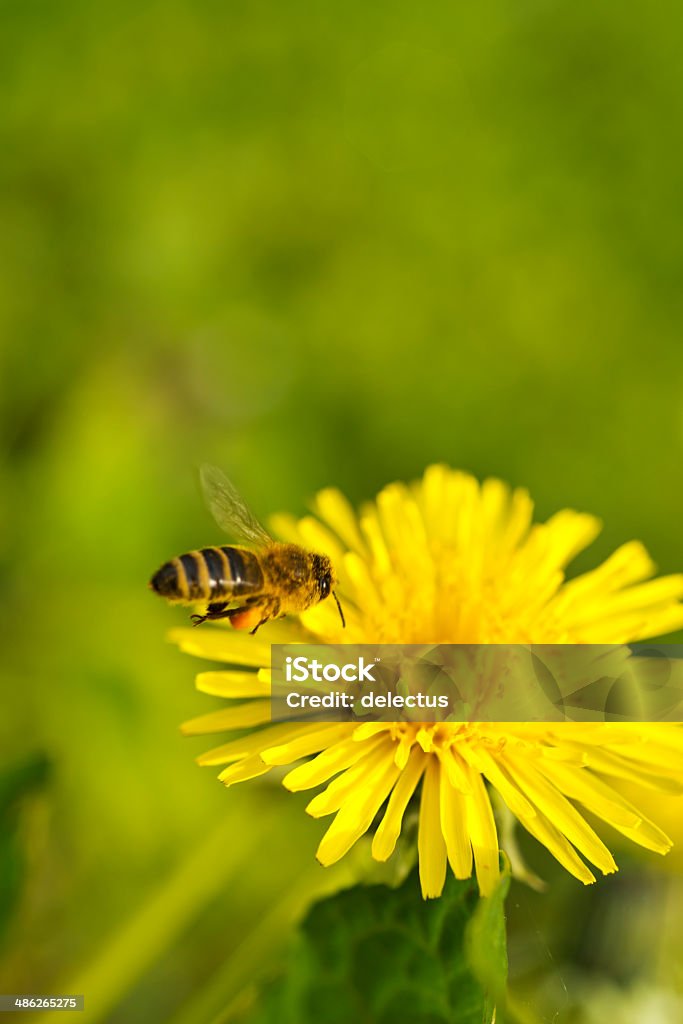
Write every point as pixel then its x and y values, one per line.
pixel 262 580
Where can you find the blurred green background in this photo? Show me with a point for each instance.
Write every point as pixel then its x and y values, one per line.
pixel 314 244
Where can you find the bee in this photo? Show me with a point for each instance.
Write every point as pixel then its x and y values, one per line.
pixel 250 584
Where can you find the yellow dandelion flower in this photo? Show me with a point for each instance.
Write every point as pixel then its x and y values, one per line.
pixel 450 560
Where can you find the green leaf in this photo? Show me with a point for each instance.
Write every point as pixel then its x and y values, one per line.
pixel 379 955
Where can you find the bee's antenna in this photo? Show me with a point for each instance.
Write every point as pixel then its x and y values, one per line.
pixel 341 613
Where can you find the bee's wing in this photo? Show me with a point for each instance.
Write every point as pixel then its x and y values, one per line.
pixel 229 509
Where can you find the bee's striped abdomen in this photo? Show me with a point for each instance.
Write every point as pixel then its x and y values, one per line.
pixel 245 575
pixel 212 574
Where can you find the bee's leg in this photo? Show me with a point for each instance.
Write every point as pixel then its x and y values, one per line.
pixel 270 611
pixel 216 610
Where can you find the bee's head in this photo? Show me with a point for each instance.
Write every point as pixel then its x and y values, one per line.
pixel 325 577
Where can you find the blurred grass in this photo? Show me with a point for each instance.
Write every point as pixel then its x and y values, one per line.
pixel 315 245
